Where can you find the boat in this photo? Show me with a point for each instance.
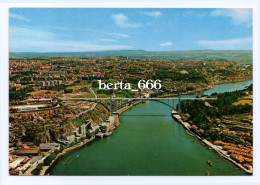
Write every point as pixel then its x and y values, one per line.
pixel 73 159
pixel 100 135
pixel 210 163
pixel 108 134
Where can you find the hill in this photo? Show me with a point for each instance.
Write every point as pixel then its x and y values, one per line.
pixel 241 56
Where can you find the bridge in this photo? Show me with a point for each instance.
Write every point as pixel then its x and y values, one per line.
pixel 114 104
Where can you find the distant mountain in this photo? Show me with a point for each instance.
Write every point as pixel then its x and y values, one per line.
pixel 242 56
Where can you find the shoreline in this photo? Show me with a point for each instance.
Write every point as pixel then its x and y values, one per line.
pixel 199 90
pixel 125 108
pixel 187 126
pixel 66 151
pixel 84 142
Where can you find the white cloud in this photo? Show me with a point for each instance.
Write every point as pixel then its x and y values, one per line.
pixel 119 35
pixel 122 21
pixel 19 17
pixel 25 31
pixel 238 43
pixel 25 45
pixel 62 28
pixel 152 14
pixel 102 32
pixel 106 40
pixel 166 44
pixel 238 15
pixel 194 13
pixel 92 31
pixel 29 39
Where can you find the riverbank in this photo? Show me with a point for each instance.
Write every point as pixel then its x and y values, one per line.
pixel 188 92
pixel 221 152
pixel 200 89
pixel 66 151
pixel 114 119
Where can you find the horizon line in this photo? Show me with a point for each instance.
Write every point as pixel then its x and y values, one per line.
pixel 129 50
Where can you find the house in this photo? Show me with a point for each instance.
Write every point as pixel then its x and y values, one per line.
pixel 29 151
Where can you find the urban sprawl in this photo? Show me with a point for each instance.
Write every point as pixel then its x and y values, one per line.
pixel 42 126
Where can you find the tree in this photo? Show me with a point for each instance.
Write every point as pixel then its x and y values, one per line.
pixel 103 128
pixel 37 170
pixel 56 151
pixel 97 130
pixel 89 134
pixel 49 159
pixel 62 147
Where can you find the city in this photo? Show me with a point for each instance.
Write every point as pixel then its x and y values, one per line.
pixel 130 91
pixel 41 124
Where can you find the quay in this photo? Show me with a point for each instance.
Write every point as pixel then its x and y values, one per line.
pixel 221 152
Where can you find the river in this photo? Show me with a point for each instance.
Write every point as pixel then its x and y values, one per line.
pixel 148 142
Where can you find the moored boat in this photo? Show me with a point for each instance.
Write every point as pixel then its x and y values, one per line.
pixel 210 163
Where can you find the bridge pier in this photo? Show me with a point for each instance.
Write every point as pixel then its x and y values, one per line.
pixel 111 111
pixel 179 104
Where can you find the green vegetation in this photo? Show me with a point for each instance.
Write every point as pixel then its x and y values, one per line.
pixel 78 121
pixel 29 136
pixel 89 135
pixel 97 130
pixel 23 76
pixel 55 88
pixel 37 170
pixel 18 95
pixel 177 76
pixel 62 147
pixel 47 161
pixel 68 90
pixel 82 139
pixel 72 144
pixel 103 128
pixel 119 93
pixel 201 113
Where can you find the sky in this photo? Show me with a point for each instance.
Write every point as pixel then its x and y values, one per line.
pixel 152 29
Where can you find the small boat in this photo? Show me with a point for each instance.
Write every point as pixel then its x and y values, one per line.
pixel 210 163
pixel 208 173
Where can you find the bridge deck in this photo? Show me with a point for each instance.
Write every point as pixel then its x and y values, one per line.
pixel 138 98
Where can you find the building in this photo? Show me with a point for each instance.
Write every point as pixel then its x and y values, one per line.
pixel 49 146
pixel 42 84
pixel 68 140
pixel 38 100
pixel 29 151
pixel 59 82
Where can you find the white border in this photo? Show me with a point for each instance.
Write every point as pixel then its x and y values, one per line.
pixel 65 180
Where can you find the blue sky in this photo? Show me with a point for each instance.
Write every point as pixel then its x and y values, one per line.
pixel 95 29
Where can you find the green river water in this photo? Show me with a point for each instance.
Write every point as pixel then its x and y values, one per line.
pixel 148 142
